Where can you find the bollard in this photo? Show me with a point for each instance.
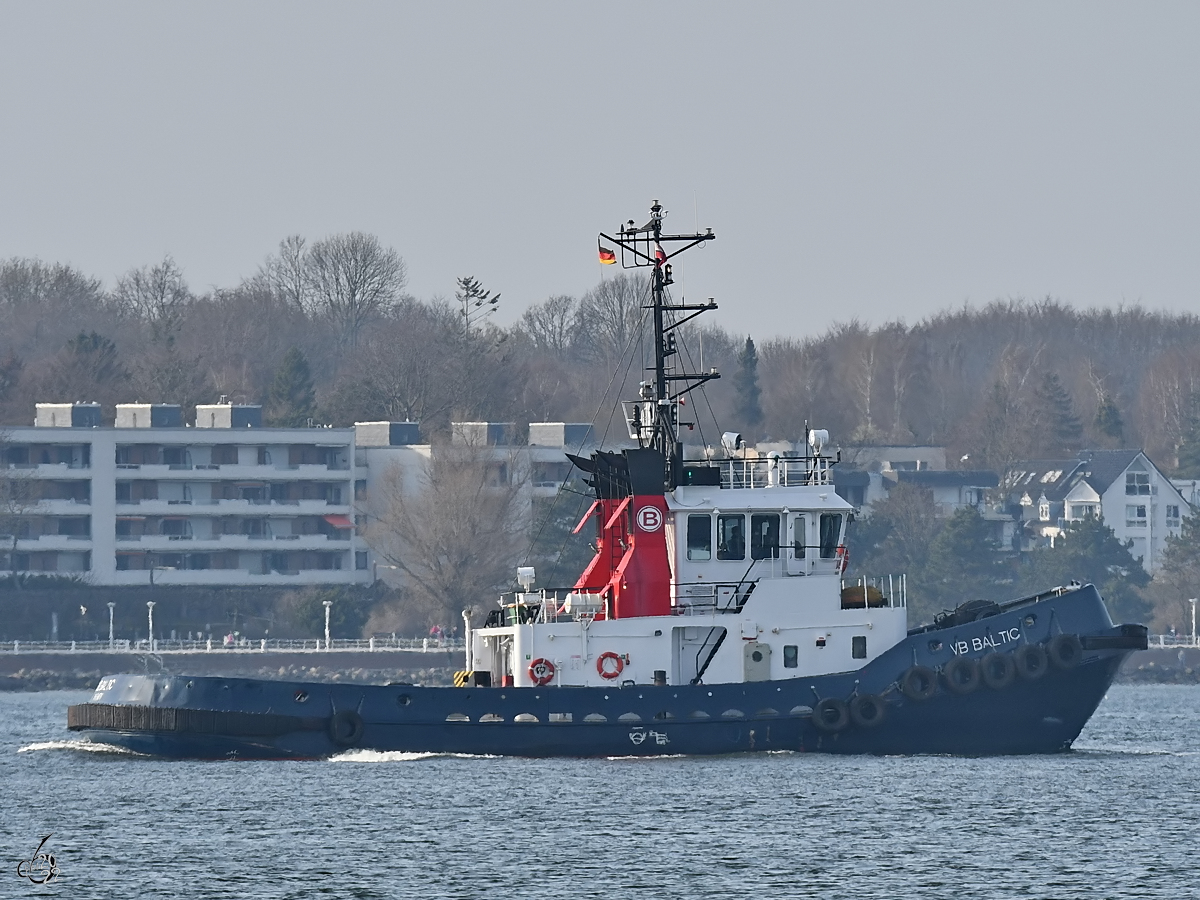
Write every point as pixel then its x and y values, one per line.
pixel 372 643
pixel 208 645
pixel 263 647
pixel 72 646
pixel 424 644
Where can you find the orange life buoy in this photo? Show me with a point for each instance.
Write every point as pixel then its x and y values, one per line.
pixel 843 558
pixel 604 669
pixel 541 672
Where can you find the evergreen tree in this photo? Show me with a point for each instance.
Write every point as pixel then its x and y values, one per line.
pixel 1089 552
pixel 745 383
pixel 1108 420
pixel 963 562
pixel 895 539
pixel 292 400
pixel 1059 431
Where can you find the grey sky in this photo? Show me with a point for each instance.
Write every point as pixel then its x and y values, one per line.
pixel 856 160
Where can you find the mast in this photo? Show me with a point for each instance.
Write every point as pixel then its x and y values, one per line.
pixel 653 419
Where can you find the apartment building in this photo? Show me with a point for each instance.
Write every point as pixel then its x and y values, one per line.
pixel 150 500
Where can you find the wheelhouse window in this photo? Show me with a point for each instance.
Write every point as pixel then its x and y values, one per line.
pixel 800 536
pixel 791 656
pixel 764 536
pixel 699 537
pixel 831 531
pixel 731 537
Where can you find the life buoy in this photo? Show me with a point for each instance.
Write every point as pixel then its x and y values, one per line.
pixel 843 560
pixel 919 683
pixel 998 670
pixel 345 728
pixel 541 672
pixel 1031 661
pixel 1065 651
pixel 831 715
pixel 603 667
pixel 866 710
pixel 961 674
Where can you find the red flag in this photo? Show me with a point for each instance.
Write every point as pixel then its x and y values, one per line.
pixel 660 255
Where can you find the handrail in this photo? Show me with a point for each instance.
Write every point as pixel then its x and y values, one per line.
pixel 243 645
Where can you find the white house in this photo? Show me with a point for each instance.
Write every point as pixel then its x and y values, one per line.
pixel 1123 488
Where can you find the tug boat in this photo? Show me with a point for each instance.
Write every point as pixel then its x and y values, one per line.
pixel 716 617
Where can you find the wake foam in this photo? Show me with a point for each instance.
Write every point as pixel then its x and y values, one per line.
pixel 383 756
pixel 79 746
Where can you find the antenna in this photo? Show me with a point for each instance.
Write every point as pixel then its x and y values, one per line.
pixel 653 418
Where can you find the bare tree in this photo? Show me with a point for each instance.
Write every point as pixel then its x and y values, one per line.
pixel 352 280
pixel 612 316
pixel 286 273
pixel 456 530
pixel 552 324
pixel 154 294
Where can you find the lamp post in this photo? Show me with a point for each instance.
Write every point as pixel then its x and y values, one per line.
pixel 328 604
pixel 150 622
pixel 111 607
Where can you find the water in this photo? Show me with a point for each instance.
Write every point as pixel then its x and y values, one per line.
pixel 1119 817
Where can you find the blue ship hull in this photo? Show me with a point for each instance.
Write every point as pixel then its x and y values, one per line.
pixel 879 709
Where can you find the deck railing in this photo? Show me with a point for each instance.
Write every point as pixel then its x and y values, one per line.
pixel 242 645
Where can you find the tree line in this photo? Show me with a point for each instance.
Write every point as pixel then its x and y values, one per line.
pixel 327 332
pixel 327 329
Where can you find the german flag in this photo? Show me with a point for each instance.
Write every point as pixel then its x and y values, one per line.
pixel 607 257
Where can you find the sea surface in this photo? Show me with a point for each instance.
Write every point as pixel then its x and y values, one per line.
pixel 1117 817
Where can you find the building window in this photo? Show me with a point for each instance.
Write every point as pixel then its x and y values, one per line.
pixel 791 656
pixel 1137 484
pixel 1082 510
pixel 1044 511
pixel 699 537
pixel 1172 516
pixel 1135 517
pixel 360 559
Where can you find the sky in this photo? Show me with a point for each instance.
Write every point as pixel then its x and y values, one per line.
pixel 870 161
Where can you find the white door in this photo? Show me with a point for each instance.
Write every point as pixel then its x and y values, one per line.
pixel 798 553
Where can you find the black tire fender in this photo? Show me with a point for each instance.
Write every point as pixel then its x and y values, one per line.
pixel 345 728
pixel 998 670
pixel 867 710
pixel 919 683
pixel 1065 651
pixel 1031 661
pixel 961 675
pixel 831 715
